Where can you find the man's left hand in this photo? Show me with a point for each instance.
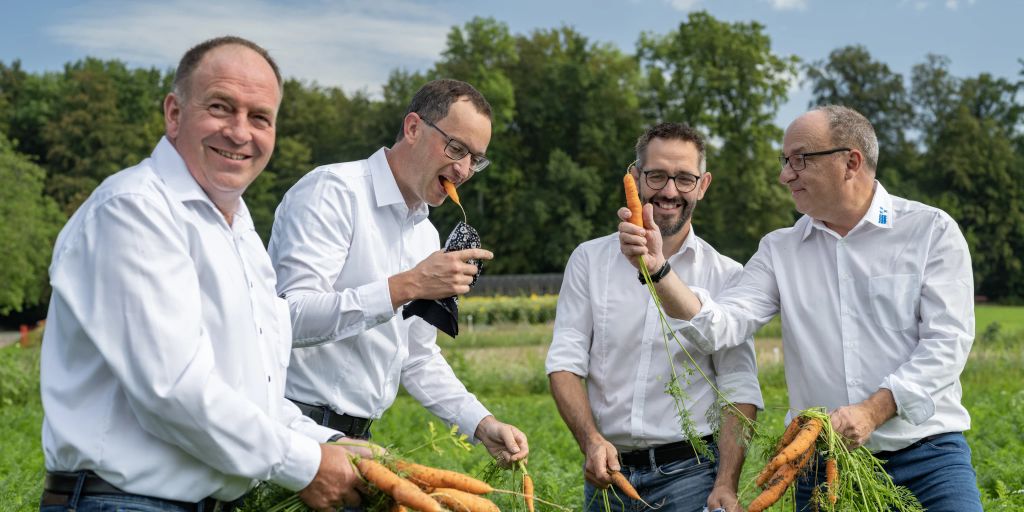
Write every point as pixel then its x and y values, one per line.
pixel 506 443
pixel 723 497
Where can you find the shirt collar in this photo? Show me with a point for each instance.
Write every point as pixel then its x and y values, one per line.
pixel 385 187
pixel 689 243
pixel 879 213
pixel 172 171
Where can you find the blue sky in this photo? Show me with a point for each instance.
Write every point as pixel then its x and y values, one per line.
pixel 354 44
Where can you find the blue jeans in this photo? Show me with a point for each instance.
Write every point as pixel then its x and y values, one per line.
pixel 938 471
pixel 118 503
pixel 678 486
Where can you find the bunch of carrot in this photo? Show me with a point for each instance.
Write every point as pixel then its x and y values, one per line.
pixel 425 488
pixel 793 452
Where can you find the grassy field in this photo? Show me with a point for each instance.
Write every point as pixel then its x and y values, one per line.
pixel 504 366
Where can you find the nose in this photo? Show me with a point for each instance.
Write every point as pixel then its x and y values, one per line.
pixel 237 129
pixel 786 174
pixel 463 167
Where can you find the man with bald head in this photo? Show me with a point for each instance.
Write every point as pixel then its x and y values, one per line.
pixel 876 298
pixel 166 347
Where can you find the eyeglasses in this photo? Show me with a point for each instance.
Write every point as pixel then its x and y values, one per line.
pixel 685 182
pixel 457 150
pixel 798 161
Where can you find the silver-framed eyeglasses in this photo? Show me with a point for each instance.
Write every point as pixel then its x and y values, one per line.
pixel 657 179
pixel 798 161
pixel 456 150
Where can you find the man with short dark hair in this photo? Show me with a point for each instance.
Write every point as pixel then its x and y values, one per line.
pixel 876 297
pixel 164 357
pixel 352 245
pixel 608 332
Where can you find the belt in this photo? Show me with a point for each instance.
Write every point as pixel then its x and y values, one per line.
pixel 680 450
pixel 60 487
pixel 351 426
pixel 890 454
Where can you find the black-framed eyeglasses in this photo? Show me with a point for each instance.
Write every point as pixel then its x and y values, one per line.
pixel 456 150
pixel 656 179
pixel 798 161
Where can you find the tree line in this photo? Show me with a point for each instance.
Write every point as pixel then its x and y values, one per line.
pixel 567 111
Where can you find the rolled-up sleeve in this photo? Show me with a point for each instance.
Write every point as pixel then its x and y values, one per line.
pixel 946 326
pixel 574 320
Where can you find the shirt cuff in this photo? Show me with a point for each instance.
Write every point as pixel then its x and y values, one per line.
pixel 300 464
pixel 692 330
pixel 741 388
pixel 913 403
pixel 376 300
pixel 471 418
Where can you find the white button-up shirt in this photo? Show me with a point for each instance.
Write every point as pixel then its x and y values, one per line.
pixel 607 330
pixel 890 305
pixel 164 357
pixel 338 235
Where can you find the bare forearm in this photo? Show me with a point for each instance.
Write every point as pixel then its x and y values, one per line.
pixel 731 445
pixel 881 406
pixel 677 298
pixel 573 405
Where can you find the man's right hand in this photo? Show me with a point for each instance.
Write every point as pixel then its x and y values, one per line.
pixel 601 457
pixel 336 483
pixel 637 241
pixel 440 275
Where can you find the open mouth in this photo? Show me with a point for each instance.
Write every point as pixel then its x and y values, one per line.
pixel 229 155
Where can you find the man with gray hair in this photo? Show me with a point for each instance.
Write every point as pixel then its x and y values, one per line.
pixel 876 297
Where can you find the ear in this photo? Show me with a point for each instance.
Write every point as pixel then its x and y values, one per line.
pixel 702 187
pixel 855 164
pixel 172 116
pixel 412 127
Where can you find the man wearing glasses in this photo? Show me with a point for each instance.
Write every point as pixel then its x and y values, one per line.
pixel 876 297
pixel 352 244
pixel 621 416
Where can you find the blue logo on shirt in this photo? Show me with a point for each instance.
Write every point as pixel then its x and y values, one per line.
pixel 883 215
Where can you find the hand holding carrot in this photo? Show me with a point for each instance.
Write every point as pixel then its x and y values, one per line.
pixel 336 482
pixel 506 443
pixel 724 498
pixel 440 275
pixel 641 241
pixel 601 460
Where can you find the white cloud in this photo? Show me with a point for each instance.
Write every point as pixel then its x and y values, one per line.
pixel 349 44
pixel 955 4
pixel 683 5
pixel 788 5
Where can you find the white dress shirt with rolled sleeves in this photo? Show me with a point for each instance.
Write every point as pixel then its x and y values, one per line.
pixel 166 347
pixel 890 305
pixel 608 331
pixel 339 234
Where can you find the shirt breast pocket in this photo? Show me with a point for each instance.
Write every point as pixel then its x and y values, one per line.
pixel 894 300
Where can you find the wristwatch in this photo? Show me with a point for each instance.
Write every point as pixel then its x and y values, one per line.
pixel 656 276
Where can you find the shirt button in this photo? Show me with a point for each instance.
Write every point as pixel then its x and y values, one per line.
pixel 854 382
pixel 260 329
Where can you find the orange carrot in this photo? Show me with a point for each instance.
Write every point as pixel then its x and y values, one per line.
pixel 776 487
pixel 428 477
pixel 403 491
pixel 832 479
pixel 449 187
pixel 395 507
pixel 459 501
pixel 787 438
pixel 801 443
pixel 633 200
pixel 528 491
pixel 623 484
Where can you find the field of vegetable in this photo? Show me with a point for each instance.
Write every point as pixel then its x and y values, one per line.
pixel 503 364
